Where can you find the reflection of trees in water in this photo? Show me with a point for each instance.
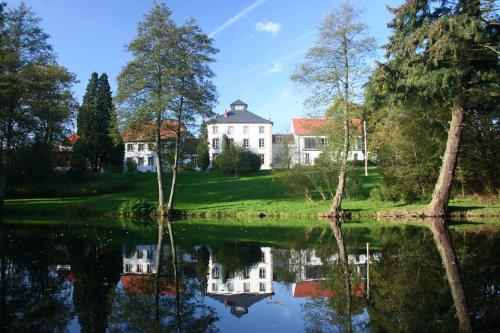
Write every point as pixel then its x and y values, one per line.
pixel 334 312
pixel 411 290
pixel 169 307
pixel 34 298
pixel 235 258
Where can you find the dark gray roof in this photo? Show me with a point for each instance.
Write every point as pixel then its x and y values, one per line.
pixel 238 102
pixel 239 117
pixel 245 300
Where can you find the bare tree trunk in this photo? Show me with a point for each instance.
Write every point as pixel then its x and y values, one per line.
pixel 170 207
pixel 337 232
pixel 444 244
pixel 176 273
pixel 442 189
pixel 159 164
pixel 336 208
pixel 159 254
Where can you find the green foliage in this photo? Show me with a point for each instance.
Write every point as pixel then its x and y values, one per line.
pixel 202 147
pixel 131 165
pixel 318 181
pixel 98 125
pixel 136 208
pixel 235 159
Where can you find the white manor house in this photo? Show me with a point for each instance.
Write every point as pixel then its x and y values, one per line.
pixel 248 130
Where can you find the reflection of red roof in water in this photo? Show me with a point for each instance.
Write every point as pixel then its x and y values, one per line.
pixel 137 284
pixel 314 289
pixel 72 139
pixel 68 275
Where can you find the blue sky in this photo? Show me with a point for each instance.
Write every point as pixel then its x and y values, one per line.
pixel 260 42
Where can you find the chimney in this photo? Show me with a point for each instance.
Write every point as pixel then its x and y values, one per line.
pixel 225 113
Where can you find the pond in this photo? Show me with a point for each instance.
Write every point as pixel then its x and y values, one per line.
pixel 331 277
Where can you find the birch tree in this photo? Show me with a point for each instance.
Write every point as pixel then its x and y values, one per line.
pixel 168 82
pixel 334 69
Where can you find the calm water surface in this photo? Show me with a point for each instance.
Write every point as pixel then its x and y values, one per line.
pixel 77 278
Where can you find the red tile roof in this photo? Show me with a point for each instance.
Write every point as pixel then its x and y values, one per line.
pixel 146 132
pixel 142 284
pixel 314 289
pixel 314 126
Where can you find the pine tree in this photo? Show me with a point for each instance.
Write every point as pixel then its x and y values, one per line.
pixel 202 147
pixel 442 56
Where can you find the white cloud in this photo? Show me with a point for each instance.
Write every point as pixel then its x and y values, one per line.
pixel 236 17
pixel 275 68
pixel 272 27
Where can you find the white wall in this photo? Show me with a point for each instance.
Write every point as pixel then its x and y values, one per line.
pixel 238 137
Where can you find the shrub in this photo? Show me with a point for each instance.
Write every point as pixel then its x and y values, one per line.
pixel 236 159
pixel 136 208
pixel 131 165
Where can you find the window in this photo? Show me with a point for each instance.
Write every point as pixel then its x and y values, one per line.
pixel 262 286
pixel 262 256
pixel 239 107
pixel 214 156
pixel 149 254
pixel 246 274
pixel 151 146
pixel 215 130
pixel 359 143
pixel 139 268
pixel 230 286
pixel 215 287
pixel 246 287
pixel 130 147
pixel 194 159
pixel 148 269
pixel 246 143
pixel 128 268
pixel 322 141
pixel 355 156
pixel 140 160
pixel 307 158
pixel 310 143
pixel 140 147
pixel 246 130
pixel 278 138
pixel 151 160
pixel 261 129
pixel 230 130
pixel 261 143
pixel 215 272
pixel 230 141
pixel 140 254
pixel 215 143
pixel 262 273
pixel 262 159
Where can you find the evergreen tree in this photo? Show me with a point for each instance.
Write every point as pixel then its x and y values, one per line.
pixel 202 147
pixel 95 123
pixel 442 56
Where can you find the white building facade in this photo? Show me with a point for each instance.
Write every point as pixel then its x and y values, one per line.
pixel 242 128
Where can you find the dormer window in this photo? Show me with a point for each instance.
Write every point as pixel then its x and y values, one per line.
pixel 239 107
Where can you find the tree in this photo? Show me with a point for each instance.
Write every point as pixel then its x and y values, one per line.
pixel 334 68
pixel 168 79
pixel 95 121
pixel 24 44
pixel 202 147
pixel 442 54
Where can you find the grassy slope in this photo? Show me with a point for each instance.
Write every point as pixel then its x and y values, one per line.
pixel 213 193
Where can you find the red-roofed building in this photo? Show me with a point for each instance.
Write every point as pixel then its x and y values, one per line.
pixel 310 137
pixel 139 143
pixel 314 289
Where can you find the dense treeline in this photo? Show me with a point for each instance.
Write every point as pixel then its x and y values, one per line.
pixel 440 58
pixel 36 101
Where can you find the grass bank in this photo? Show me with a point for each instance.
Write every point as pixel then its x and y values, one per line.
pixel 210 194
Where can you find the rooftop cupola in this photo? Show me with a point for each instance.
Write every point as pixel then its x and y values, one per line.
pixel 239 105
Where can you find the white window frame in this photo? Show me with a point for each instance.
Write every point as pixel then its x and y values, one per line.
pixel 215 130
pixel 246 143
pixel 262 143
pixel 230 130
pixel 262 130
pixel 215 143
pixel 246 129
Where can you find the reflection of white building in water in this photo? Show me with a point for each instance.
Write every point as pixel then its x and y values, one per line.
pixel 242 290
pixel 309 269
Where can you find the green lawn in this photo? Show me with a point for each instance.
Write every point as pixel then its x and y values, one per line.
pixel 213 194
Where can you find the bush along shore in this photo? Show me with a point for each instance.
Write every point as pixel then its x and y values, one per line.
pixel 215 195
